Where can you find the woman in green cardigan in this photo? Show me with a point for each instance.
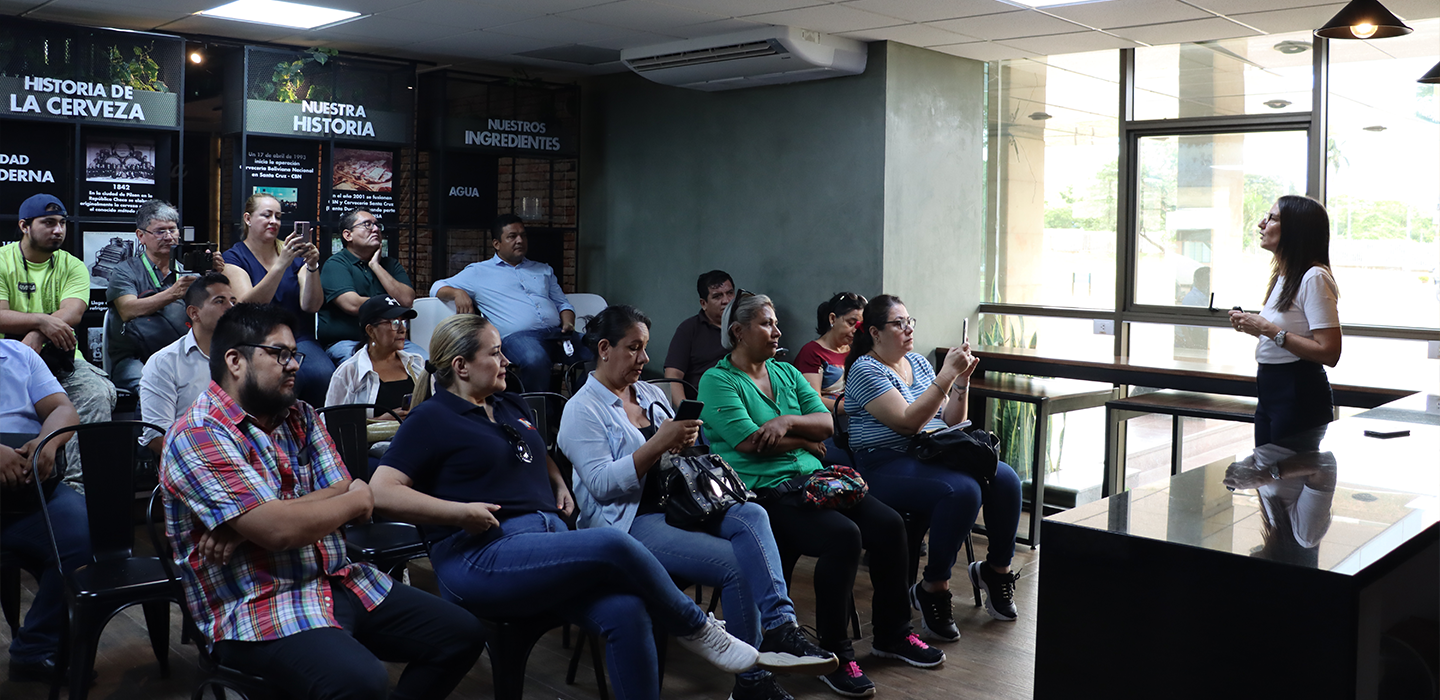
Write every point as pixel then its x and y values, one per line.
pixel 766 420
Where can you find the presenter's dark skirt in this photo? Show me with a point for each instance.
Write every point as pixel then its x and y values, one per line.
pixel 1294 397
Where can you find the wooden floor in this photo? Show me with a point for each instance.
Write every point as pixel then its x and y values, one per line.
pixel 993 660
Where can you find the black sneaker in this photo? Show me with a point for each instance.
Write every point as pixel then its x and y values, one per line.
pixel 786 649
pixel 935 616
pixel 762 688
pixel 909 649
pixel 850 681
pixel 999 590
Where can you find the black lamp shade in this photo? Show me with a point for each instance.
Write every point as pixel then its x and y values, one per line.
pixel 1433 76
pixel 1363 12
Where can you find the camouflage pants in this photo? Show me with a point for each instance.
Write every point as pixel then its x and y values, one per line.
pixel 94 399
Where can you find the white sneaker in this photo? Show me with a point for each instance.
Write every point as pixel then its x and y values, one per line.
pixel 720 648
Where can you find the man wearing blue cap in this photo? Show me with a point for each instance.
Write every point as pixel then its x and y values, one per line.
pixel 43 294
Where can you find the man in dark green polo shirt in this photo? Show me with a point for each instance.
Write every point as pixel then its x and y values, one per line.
pixel 352 276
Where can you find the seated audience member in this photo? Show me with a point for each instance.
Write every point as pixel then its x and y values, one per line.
pixel 892 393
pixel 255 501
pixel 822 361
pixel 384 372
pixel 263 269
pixel 147 294
pixel 614 431
pixel 32 405
pixel 350 277
pixel 470 465
pixel 523 299
pixel 43 294
pixel 179 373
pixel 766 421
pixel 696 347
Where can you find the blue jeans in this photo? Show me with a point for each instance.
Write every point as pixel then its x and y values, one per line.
pixel 313 380
pixel 534 352
pixel 125 374
pixel 343 349
pixel 952 499
pixel 740 559
pixel 24 539
pixel 601 579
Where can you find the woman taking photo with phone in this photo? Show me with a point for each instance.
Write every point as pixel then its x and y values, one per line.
pixel 1299 327
pixel 266 270
pixel 615 430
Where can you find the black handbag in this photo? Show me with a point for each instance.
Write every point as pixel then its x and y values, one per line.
pixel 150 333
pixel 699 488
pixel 974 451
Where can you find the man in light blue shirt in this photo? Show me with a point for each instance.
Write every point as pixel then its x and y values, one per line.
pixel 524 301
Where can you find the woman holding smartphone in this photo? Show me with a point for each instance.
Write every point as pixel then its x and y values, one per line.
pixel 1299 328
pixel 615 430
pixel 263 269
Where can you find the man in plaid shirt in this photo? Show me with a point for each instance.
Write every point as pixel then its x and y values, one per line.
pixel 255 499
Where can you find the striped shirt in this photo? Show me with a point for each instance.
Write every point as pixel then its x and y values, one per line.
pixel 869 380
pixel 219 464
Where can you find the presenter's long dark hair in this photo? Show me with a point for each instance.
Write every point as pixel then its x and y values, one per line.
pixel 1304 243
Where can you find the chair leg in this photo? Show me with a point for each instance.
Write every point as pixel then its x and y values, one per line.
pixel 854 619
pixel 575 660
pixel 970 559
pixel 83 641
pixel 662 649
pixel 157 619
pixel 10 597
pixel 1042 445
pixel 597 657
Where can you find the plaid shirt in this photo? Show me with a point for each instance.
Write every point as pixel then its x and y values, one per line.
pixel 217 465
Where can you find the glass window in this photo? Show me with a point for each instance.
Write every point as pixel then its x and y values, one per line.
pixel 1054 140
pixel 1383 184
pixel 1200 200
pixel 1254 75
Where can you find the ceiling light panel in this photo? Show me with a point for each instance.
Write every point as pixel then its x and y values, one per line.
pixel 279 13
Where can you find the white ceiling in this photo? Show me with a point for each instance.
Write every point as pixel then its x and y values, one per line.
pixel 486 35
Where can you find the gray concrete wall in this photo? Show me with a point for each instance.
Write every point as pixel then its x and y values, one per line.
pixel 934 189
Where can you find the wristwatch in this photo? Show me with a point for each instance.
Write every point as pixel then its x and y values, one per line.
pixel 1280 339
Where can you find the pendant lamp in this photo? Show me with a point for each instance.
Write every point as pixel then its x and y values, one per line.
pixel 1363 19
pixel 1433 76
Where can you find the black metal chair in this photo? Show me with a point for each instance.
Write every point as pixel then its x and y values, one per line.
pixel 10 594
pixel 213 674
pixel 114 578
pixel 690 391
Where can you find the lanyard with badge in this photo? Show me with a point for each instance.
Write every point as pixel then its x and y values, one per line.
pixel 151 269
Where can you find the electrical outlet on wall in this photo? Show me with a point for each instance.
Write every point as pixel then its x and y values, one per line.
pixel 1432 349
pixel 1104 327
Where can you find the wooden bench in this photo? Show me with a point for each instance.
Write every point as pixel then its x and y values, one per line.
pixel 1176 404
pixel 1049 397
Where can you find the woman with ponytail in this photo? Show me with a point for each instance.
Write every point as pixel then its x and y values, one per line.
pixel 1299 328
pixel 469 464
pixel 892 394
pixel 822 361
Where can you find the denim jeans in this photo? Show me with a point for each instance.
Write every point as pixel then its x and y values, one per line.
pixel 343 349
pixel 24 539
pixel 951 499
pixel 601 579
pixel 125 373
pixel 534 352
pixel 313 380
pixel 439 642
pixel 740 559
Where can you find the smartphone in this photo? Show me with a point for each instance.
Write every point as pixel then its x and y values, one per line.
pixel 1386 435
pixel 303 228
pixel 406 399
pixel 689 410
pixel 197 261
pixel 965 331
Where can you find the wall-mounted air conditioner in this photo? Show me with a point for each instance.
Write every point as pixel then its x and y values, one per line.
pixel 763 56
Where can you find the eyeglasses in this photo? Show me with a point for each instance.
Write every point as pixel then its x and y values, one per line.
pixel 376 225
pixel 396 324
pixel 282 355
pixel 905 322
pixel 1269 218
pixel 163 233
pixel 522 449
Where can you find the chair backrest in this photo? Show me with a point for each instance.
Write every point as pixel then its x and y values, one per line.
pixel 585 305
pixel 429 312
pixel 539 402
pixel 105 362
pixel 690 391
pixel 109 452
pixel 346 424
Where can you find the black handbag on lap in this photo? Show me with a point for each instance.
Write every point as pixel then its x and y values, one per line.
pixel 699 488
pixel 974 452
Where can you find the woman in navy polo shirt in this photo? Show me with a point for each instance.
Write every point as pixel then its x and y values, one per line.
pixel 469 463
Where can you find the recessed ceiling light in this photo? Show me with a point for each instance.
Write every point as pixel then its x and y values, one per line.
pixel 1039 116
pixel 1292 47
pixel 282 14
pixel 1377 128
pixel 1277 104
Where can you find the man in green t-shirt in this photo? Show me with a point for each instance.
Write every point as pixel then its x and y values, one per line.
pixel 43 294
pixel 352 276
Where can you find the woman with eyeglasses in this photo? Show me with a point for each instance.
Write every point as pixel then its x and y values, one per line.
pixel 892 394
pixel 1298 330
pixel 384 373
pixel 822 361
pixel 615 430
pixel 263 269
pixel 470 466
pixel 766 420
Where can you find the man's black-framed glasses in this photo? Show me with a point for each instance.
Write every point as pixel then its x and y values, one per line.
pixel 282 355
pixel 522 449
pixel 374 225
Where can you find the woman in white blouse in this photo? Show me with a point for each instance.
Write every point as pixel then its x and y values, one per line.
pixel 383 373
pixel 1299 328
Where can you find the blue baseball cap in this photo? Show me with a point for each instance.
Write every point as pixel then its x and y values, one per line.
pixel 41 205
